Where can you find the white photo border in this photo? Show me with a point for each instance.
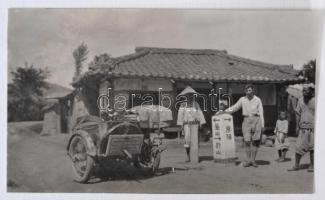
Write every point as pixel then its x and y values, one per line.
pixel 183 4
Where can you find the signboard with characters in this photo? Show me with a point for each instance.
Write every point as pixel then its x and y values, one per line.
pixel 223 138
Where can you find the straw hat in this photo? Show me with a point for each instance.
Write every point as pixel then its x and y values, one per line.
pixel 188 90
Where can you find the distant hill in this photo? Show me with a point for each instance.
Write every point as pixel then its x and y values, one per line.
pixel 55 91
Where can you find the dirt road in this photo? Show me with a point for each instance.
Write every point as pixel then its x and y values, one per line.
pixel 39 164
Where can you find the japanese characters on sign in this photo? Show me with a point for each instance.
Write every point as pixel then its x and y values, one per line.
pixel 223 137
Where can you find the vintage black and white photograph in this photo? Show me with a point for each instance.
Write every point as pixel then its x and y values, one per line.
pixel 162 101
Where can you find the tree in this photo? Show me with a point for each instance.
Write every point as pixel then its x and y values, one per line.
pixel 79 55
pixel 309 71
pixel 101 60
pixel 25 93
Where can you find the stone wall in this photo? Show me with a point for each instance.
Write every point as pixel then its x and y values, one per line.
pixel 51 121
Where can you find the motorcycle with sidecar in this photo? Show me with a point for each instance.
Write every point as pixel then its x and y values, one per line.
pixel 95 141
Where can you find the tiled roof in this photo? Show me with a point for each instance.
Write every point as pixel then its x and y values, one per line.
pixel 199 65
pixel 55 91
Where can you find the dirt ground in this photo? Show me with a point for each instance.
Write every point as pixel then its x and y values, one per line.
pixel 39 164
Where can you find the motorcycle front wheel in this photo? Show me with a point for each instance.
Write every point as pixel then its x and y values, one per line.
pixel 82 163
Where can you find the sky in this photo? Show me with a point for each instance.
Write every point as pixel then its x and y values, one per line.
pixel 46 38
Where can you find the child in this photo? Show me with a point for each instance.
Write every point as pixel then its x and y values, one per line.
pixel 223 105
pixel 281 130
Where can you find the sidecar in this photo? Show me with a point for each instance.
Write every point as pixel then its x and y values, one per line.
pixel 95 141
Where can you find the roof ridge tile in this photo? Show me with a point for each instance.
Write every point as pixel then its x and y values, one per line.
pixel 180 50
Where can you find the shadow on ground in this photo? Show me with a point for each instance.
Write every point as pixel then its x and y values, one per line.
pixel 287 160
pixel 258 162
pixel 262 162
pixel 205 158
pixel 126 173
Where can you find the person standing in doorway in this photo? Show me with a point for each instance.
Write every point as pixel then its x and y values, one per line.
pixel 305 113
pixel 190 117
pixel 253 123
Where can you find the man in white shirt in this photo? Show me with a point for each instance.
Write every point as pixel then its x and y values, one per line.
pixel 253 123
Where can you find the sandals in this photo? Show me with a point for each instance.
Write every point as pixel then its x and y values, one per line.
pixel 254 164
pixel 294 168
pixel 310 168
pixel 246 164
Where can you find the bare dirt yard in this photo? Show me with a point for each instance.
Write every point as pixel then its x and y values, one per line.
pixel 39 164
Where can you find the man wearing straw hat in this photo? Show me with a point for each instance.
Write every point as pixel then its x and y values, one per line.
pixel 190 117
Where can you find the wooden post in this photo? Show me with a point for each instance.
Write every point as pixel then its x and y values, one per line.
pixel 179 136
pixel 194 148
pixel 103 90
pixel 58 118
pixel 175 112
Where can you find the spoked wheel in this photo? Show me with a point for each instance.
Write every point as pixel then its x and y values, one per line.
pixel 82 163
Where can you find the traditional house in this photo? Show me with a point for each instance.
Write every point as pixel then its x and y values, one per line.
pixel 56 109
pixel 142 73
